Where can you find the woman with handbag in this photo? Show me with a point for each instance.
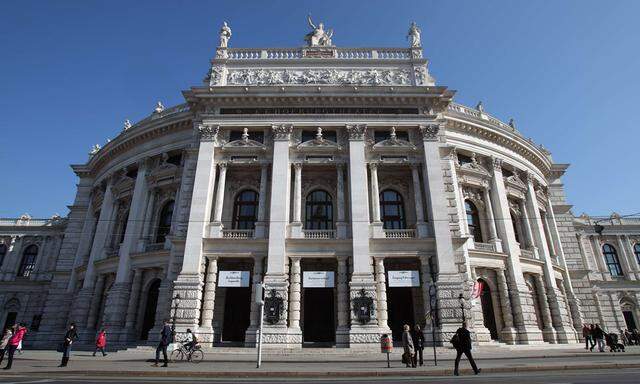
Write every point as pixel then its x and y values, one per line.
pixel 4 342
pixel 69 338
pixel 407 345
pixel 14 341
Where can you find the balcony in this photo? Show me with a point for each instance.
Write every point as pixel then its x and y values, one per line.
pixel 241 234
pixel 319 233
pixel 527 254
pixel 399 233
pixel 487 247
pixel 154 247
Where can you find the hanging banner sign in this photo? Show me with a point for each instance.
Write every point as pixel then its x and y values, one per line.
pixel 478 287
pixel 233 279
pixel 318 279
pixel 403 278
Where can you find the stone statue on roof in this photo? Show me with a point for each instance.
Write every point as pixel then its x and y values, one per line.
pixel 318 37
pixel 225 35
pixel 414 35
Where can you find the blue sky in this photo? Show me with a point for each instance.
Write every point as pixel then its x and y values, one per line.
pixel 72 71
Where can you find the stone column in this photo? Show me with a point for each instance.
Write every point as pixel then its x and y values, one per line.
pixel 129 333
pixel 508 333
pixel 548 332
pixel 95 304
pixel 188 283
pixel 294 293
pixel 525 319
pixel 526 222
pixel 261 225
pixel 216 225
pixel 296 225
pixel 360 335
pixel 628 244
pixel 493 234
pixel 342 333
pixel 147 237
pixel 626 259
pixel 341 224
pixel 208 301
pixel 254 317
pixel 84 245
pixel 276 277
pixel 449 283
pixel 377 225
pixel 118 298
pixel 421 226
pixel 100 238
pixel 381 290
pixel 559 313
pixel 425 276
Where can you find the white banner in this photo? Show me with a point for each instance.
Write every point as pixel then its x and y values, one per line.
pixel 318 279
pixel 233 279
pixel 403 278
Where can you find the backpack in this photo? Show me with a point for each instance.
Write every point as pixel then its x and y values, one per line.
pixel 455 340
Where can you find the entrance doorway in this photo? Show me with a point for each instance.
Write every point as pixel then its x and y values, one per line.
pixel 399 310
pixel 237 314
pixel 319 316
pixel 629 320
pixel 150 309
pixel 488 315
pixel 10 321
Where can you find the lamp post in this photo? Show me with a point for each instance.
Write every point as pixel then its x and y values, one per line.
pixel 433 308
pixel 176 302
pixel 462 302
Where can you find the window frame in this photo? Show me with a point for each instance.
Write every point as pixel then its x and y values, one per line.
pixel 400 219
pixel 613 262
pixel 28 265
pixel 162 229
pixel 475 217
pixel 245 220
pixel 318 222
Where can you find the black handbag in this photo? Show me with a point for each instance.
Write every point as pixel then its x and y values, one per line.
pixel 60 347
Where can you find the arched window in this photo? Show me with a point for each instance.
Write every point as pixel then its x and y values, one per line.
pixel 514 222
pixel 28 261
pixel 392 210
pixel 164 221
pixel 245 210
pixel 318 210
pixel 3 253
pixel 611 258
pixel 636 251
pixel 123 227
pixel 473 221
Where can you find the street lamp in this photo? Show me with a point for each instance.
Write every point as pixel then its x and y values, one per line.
pixel 462 302
pixel 433 307
pixel 176 301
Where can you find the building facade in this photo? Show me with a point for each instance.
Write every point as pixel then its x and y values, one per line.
pixel 344 179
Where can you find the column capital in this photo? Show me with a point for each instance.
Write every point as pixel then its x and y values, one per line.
pixel 429 132
pixel 282 132
pixel 496 162
pixel 208 132
pixel 356 131
pixel 373 166
pixel 379 259
pixel 297 165
pixel 342 258
pixel 223 165
pixel 295 258
pixel 212 258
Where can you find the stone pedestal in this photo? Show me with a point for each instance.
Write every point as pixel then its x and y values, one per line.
pixel 80 313
pixel 187 314
pixel 296 230
pixel 363 335
pixel 116 309
pixel 215 230
pixel 377 230
pixel 279 335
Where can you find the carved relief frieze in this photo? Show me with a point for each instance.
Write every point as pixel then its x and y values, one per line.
pixel 475 195
pixel 320 76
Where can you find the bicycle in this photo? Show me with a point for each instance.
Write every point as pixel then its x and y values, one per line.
pixel 194 355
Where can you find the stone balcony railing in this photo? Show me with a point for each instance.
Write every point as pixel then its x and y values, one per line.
pixel 154 247
pixel 527 254
pixel 337 53
pixel 489 247
pixel 399 233
pixel 319 233
pixel 237 233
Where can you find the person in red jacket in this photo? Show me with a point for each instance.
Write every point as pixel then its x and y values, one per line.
pixel 101 342
pixel 14 341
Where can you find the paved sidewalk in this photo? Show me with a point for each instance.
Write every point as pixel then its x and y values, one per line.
pixel 323 362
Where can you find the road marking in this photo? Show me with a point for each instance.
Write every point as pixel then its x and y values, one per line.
pixel 29 382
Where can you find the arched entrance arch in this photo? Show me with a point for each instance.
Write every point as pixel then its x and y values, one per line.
pixel 151 304
pixel 628 308
pixel 11 308
pixel 488 312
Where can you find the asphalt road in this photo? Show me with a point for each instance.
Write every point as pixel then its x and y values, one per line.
pixel 565 377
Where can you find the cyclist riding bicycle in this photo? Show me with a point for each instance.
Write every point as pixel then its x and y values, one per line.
pixel 191 341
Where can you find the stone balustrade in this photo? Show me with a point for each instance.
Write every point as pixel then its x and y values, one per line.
pixel 484 246
pixel 319 233
pixel 154 247
pixel 399 233
pixel 338 53
pixel 237 233
pixel 527 254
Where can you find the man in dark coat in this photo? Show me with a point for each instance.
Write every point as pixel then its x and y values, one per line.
pixel 69 338
pixel 462 343
pixel 418 345
pixel 166 336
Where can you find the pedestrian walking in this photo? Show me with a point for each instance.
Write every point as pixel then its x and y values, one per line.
pixel 407 345
pixel 69 338
pixel 588 338
pixel 101 342
pixel 462 343
pixel 598 335
pixel 418 344
pixel 165 338
pixel 19 349
pixel 4 342
pixel 592 334
pixel 18 334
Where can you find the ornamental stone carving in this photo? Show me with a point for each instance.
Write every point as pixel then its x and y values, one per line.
pixel 225 35
pixel 323 76
pixel 430 132
pixel 318 37
pixel 414 35
pixel 208 132
pixel 356 131
pixel 282 132
pixel 497 163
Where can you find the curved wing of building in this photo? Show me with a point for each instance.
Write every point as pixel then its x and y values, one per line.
pixel 344 179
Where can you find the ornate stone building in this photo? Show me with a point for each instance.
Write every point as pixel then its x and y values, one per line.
pixel 347 181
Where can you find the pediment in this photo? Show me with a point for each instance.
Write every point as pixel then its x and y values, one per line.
pixel 244 145
pixel 474 168
pixel 318 145
pixel 394 145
